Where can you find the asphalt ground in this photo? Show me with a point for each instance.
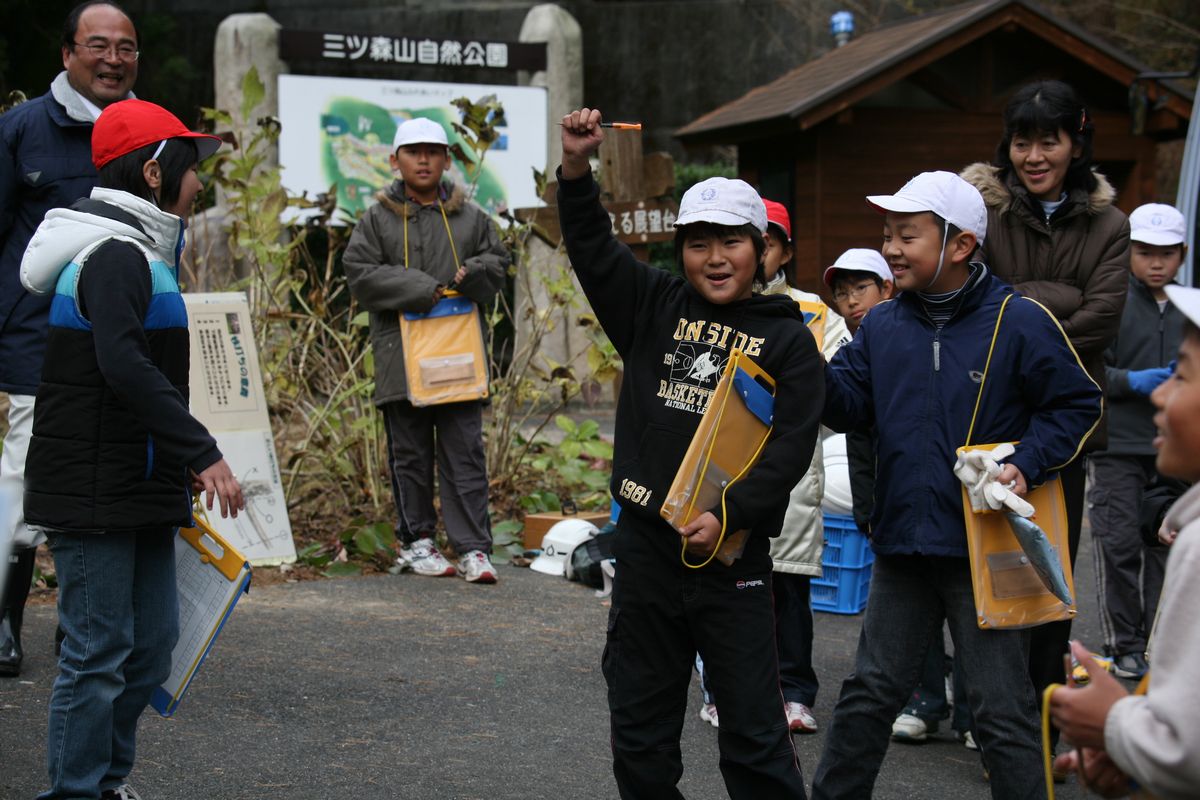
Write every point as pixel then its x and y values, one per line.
pixel 410 687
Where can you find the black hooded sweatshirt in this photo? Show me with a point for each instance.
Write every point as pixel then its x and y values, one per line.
pixel 674 345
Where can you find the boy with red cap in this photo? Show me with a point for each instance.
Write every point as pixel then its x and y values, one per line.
pixel 115 452
pixel 796 552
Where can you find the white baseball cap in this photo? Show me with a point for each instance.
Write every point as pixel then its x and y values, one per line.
pixel 1186 299
pixel 859 259
pixel 723 201
pixel 418 130
pixel 1157 224
pixel 943 193
pixel 558 543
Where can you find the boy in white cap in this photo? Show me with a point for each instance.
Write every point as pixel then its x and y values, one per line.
pixel 858 281
pixel 675 334
pixel 1151 740
pixel 1129 575
pixel 914 371
pixel 422 237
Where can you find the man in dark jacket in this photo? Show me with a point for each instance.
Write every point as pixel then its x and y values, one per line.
pixel 45 163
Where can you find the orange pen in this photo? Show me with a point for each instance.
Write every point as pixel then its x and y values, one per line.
pixel 621 126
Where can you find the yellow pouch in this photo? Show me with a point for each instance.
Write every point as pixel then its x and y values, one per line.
pixel 443 353
pixel 1008 592
pixel 816 314
pixel 727 443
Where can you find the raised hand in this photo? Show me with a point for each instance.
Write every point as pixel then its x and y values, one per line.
pixel 581 138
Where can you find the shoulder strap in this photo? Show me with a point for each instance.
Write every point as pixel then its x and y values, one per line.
pixel 987 364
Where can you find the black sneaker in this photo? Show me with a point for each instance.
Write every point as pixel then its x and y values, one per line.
pixel 1131 666
pixel 10 648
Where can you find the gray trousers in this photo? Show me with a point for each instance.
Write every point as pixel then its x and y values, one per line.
pixel 1129 575
pixel 910 596
pixel 453 432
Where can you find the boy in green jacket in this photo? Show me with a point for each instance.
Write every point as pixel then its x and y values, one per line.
pixel 422 237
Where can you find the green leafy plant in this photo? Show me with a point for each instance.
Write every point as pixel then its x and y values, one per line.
pixel 318 368
pixel 317 365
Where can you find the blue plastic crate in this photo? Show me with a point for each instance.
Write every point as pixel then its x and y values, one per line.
pixel 846 566
pixel 845 546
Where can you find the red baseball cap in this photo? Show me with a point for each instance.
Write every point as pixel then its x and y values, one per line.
pixel 127 125
pixel 777 214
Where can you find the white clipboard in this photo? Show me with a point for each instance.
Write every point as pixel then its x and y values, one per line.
pixel 211 575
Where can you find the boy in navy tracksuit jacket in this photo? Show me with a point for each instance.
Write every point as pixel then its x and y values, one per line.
pixel 675 335
pixel 1129 575
pixel 914 370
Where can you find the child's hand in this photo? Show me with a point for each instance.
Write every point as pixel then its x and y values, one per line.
pixel 1166 535
pixel 1080 713
pixel 702 534
pixel 1096 770
pixel 1010 474
pixel 581 137
pixel 458 276
pixel 1145 381
pixel 218 479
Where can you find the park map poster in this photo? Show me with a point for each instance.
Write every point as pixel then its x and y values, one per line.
pixel 337 132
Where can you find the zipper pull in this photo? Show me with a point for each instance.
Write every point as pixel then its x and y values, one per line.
pixel 937 356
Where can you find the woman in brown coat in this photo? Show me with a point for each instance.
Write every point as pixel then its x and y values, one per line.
pixel 1055 235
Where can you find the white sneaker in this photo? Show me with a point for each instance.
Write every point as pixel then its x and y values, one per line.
pixel 476 567
pixel 423 558
pixel 122 792
pixel 910 728
pixel 968 740
pixel 708 713
pixel 800 718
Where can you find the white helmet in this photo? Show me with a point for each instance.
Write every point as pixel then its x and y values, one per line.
pixel 558 543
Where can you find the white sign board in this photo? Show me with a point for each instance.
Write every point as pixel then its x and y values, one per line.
pixel 338 132
pixel 227 396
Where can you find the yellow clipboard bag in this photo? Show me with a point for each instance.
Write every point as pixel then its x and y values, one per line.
pixel 727 443
pixel 444 359
pixel 443 353
pixel 1008 592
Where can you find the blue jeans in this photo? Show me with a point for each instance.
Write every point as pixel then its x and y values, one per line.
pixel 118 606
pixel 910 596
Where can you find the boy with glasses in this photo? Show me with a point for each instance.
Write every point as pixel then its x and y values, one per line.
pixel 859 280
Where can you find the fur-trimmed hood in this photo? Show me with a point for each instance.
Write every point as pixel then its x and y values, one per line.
pixel 394 198
pixel 1000 195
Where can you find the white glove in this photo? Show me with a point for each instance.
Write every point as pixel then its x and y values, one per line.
pixel 978 469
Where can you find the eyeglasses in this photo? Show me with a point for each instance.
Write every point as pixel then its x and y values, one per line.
pixel 125 52
pixel 842 295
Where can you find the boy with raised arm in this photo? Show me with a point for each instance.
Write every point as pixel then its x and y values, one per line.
pixel 675 335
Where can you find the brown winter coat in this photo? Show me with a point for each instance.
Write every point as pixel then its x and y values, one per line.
pixel 374 264
pixel 1076 265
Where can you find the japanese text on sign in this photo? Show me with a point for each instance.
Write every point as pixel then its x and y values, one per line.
pixel 417 50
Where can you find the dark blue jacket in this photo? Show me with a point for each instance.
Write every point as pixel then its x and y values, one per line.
pixel 918 386
pixel 45 163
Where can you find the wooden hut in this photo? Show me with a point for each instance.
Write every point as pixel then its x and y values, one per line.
pixel 922 94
